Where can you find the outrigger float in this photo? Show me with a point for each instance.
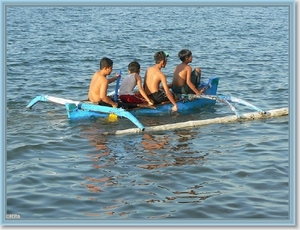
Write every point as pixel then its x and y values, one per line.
pixel 186 103
pixel 198 123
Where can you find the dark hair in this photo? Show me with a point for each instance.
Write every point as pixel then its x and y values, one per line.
pixel 134 67
pixel 184 54
pixel 106 62
pixel 160 56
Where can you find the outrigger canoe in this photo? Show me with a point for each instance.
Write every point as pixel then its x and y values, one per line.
pixel 86 109
pixel 186 103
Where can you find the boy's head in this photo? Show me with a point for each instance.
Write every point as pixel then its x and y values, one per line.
pixel 134 67
pixel 161 56
pixel 184 54
pixel 106 63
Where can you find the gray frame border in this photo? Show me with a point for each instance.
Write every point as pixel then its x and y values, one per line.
pixel 292 114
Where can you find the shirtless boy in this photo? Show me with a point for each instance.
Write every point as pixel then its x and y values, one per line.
pixel 153 77
pixel 186 81
pixel 99 84
pixel 126 93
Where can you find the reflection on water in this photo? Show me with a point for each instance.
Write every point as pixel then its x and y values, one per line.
pixel 138 169
pixel 173 154
pixel 151 143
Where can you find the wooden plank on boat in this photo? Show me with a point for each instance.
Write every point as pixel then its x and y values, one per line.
pixel 197 123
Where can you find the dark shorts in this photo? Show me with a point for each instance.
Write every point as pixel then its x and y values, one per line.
pixel 120 105
pixel 158 97
pixel 185 89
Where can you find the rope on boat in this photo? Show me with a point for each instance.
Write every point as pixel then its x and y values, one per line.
pixel 197 123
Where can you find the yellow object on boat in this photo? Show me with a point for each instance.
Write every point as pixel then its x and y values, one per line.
pixel 112 117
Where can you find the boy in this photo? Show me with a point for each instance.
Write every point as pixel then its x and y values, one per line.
pixel 99 84
pixel 128 84
pixel 154 76
pixel 186 81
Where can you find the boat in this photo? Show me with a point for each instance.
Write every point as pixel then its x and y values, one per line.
pixel 186 103
pixel 85 109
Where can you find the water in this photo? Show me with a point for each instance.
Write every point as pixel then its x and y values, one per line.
pixel 61 170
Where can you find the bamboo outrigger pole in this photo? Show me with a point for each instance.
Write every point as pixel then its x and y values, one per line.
pixel 196 123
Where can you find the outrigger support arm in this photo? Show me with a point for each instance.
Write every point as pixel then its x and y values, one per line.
pixel 86 106
pixel 48 98
pixel 227 100
pixel 36 100
pixel 105 109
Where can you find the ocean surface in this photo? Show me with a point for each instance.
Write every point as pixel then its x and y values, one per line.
pixel 59 171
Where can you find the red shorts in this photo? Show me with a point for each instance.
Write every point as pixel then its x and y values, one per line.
pixel 136 99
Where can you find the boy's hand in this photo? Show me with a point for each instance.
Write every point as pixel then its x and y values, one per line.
pixel 175 108
pixel 115 105
pixel 150 102
pixel 201 91
pixel 116 76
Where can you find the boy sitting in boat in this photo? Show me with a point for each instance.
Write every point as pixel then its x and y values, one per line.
pixel 99 84
pixel 126 91
pixel 154 76
pixel 186 81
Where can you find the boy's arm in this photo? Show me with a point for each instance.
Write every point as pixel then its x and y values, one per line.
pixel 168 92
pixel 145 87
pixel 110 80
pixel 103 94
pixel 141 89
pixel 189 82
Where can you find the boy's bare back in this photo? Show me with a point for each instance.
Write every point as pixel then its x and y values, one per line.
pixel 98 87
pixel 180 74
pixel 152 79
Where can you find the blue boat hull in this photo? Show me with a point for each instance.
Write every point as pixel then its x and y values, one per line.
pixel 185 105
